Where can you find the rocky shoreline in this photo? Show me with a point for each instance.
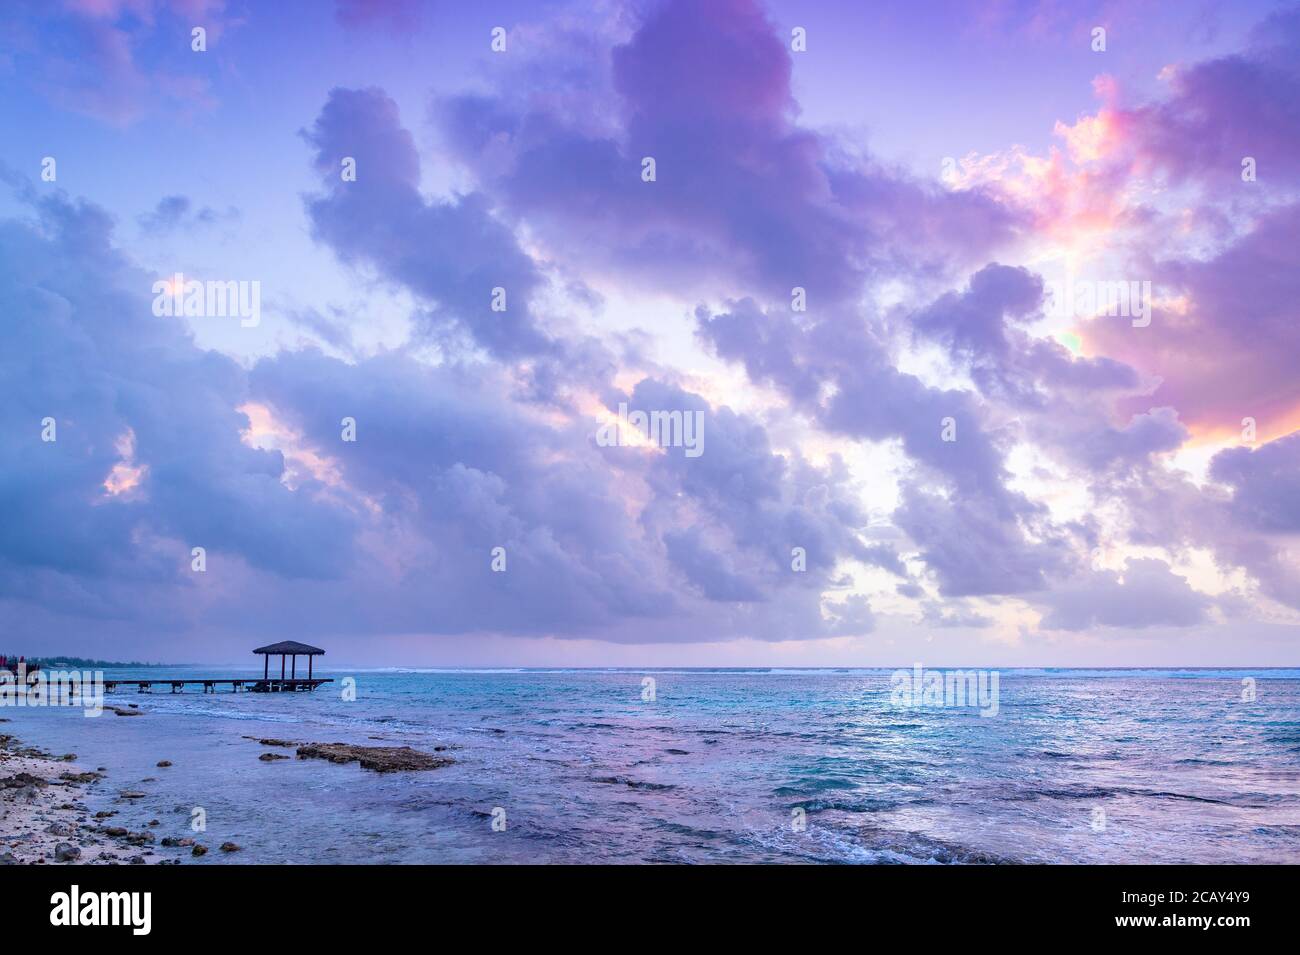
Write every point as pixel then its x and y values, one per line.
pixel 380 759
pixel 44 819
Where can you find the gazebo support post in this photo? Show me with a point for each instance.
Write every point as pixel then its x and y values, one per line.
pixel 288 651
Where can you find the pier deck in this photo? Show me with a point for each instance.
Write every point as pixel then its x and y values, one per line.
pixel 248 684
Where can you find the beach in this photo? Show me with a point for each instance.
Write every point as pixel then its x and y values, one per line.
pixel 581 766
pixel 44 818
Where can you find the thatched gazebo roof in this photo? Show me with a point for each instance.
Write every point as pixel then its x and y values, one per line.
pixel 291 648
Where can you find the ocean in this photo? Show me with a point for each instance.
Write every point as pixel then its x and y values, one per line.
pixel 711 766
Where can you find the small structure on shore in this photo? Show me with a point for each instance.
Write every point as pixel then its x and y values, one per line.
pixel 288 648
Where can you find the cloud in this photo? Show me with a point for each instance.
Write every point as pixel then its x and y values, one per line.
pixel 745 199
pixel 935 614
pixel 1146 594
pixel 118 61
pixel 399 16
pixel 620 541
pixel 148 460
pixel 1222 110
pixel 974 536
pixel 390 534
pixel 1104 446
pixel 1265 484
pixel 973 324
pixel 974 549
pixel 1225 351
pixel 178 212
pixel 451 254
pixel 1164 508
pixel 1008 455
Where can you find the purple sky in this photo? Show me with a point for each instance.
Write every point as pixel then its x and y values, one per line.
pixel 957 442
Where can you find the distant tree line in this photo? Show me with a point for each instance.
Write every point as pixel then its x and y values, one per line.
pixel 81 663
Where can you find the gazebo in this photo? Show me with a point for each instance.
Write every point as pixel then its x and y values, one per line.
pixel 288 648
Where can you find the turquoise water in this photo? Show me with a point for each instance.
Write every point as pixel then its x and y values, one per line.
pixel 1077 766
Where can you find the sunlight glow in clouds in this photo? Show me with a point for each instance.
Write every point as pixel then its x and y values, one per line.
pixel 959 455
pixel 126 474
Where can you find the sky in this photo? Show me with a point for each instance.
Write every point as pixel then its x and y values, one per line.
pixel 986 314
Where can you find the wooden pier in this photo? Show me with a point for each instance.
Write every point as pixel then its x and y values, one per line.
pixel 249 685
pixel 288 649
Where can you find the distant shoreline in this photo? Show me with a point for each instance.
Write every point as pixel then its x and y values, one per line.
pixel 86 663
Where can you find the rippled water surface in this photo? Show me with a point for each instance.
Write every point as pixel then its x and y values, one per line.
pixel 715 768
